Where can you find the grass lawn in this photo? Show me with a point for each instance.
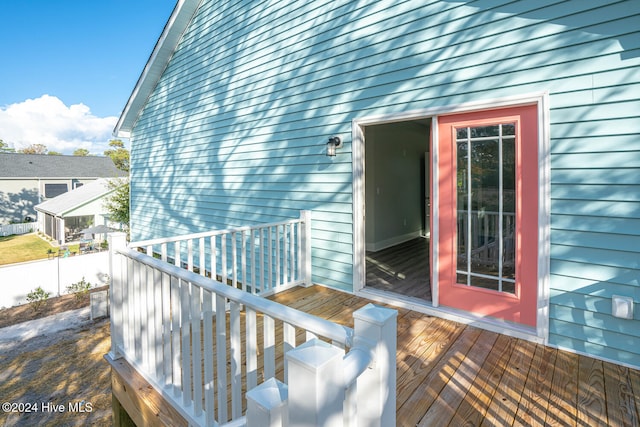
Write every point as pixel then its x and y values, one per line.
pixel 26 247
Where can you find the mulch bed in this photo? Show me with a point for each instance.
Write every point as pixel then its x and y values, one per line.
pixel 22 313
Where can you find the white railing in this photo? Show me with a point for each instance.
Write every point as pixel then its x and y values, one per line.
pixel 10 229
pixel 164 322
pixel 485 226
pixel 262 259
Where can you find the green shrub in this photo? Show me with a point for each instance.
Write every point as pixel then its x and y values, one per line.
pixel 80 290
pixel 38 298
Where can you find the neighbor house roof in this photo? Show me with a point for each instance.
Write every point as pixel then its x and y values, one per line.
pixel 16 165
pixel 60 205
pixel 162 52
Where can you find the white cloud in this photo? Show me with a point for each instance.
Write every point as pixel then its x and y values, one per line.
pixel 47 120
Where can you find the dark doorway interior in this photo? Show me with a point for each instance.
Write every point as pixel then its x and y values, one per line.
pixel 397 177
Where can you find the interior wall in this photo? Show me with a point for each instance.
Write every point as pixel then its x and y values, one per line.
pixel 394 182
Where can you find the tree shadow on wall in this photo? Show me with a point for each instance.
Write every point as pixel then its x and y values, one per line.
pixel 16 207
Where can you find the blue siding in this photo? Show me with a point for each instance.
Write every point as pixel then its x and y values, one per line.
pixel 234 132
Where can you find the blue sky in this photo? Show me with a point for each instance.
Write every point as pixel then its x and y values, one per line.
pixel 69 67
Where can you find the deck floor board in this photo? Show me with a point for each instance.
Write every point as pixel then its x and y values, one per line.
pixel 453 374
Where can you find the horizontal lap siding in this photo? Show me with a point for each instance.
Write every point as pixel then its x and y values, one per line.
pixel 595 198
pixel 235 131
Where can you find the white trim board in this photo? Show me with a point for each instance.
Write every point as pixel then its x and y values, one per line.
pixel 421 306
pixel 387 243
pixel 541 99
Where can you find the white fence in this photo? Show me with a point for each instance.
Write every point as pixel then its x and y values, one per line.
pixel 9 229
pixel 53 275
pixel 201 342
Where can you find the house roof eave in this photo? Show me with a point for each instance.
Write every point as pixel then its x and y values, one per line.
pixel 182 14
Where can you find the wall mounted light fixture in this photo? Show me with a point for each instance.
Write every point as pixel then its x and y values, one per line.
pixel 334 142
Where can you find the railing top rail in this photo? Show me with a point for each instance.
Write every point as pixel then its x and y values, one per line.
pixel 210 233
pixel 337 333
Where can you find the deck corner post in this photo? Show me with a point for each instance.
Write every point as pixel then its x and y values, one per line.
pixel 376 387
pixel 316 394
pixel 116 288
pixel 267 405
pixel 305 217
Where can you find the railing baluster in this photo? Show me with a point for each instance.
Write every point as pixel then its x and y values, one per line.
pixel 234 261
pixel 221 353
pixel 262 284
pixel 176 255
pixel 223 261
pixel 277 283
pixel 163 252
pixel 285 260
pixel 196 349
pixel 209 386
pixel 214 259
pixel 292 253
pixel 176 315
pixel 149 314
pixel 254 289
pixel 166 326
pixel 190 254
pixel 236 361
pixel 269 265
pixel 130 327
pixel 152 310
pixel 299 253
pixel 289 342
pixel 243 262
pixel 269 348
pixel 202 266
pixel 251 348
pixel 158 318
pixel 186 342
pixel 138 327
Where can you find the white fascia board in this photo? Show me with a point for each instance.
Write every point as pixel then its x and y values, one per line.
pixel 178 22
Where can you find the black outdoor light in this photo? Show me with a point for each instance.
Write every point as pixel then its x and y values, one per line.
pixel 334 142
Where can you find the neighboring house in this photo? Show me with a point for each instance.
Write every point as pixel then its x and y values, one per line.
pixel 29 179
pixel 494 146
pixel 64 217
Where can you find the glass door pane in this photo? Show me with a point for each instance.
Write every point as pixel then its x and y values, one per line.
pixel 486 201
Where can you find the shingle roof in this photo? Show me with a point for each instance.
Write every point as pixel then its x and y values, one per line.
pixel 73 199
pixel 14 165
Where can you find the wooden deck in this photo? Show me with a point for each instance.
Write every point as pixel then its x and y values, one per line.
pixel 449 374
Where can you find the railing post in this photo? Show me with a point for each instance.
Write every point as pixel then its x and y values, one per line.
pixel 118 281
pixel 316 392
pixel 267 405
pixel 305 260
pixel 376 387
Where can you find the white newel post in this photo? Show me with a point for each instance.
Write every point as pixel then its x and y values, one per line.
pixel 316 391
pixel 116 241
pixel 305 262
pixel 376 387
pixel 267 405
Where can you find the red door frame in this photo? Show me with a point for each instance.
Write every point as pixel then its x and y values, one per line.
pixel 522 307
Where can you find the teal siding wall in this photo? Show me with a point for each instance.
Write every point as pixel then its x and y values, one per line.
pixel 235 131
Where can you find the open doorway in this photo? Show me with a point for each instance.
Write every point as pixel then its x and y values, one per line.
pixel 397 207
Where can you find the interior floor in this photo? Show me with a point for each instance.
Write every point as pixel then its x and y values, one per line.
pixel 402 269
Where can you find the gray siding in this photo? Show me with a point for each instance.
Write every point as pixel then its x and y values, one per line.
pixel 234 133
